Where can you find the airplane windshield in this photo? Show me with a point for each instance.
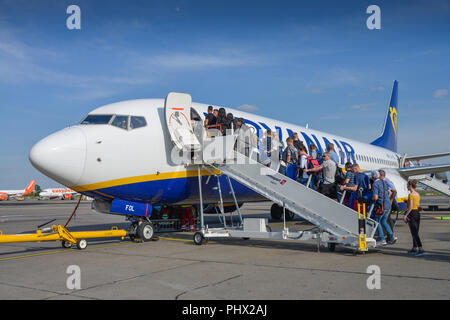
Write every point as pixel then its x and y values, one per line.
pixel 97 119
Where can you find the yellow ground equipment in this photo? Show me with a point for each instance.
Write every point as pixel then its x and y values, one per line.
pixel 362 227
pixel 60 233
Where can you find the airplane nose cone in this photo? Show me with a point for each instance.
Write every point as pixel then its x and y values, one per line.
pixel 61 156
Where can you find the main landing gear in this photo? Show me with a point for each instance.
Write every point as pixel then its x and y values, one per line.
pixel 142 231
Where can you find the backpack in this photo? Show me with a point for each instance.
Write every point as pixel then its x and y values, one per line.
pixel 339 176
pixel 311 162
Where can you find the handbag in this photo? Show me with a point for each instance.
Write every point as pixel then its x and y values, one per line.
pixel 378 208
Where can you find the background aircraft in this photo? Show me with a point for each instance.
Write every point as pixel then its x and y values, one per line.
pixel 60 193
pixel 7 194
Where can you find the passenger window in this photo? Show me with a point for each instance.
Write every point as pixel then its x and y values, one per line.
pixel 120 122
pixel 137 122
pixel 97 119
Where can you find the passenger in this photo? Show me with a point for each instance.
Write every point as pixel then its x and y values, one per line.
pixel 348 182
pixel 360 191
pixel 328 186
pixel 222 120
pixel 380 191
pixel 266 148
pixel 243 138
pixel 230 122
pixel 303 164
pixel 394 204
pixel 275 155
pixel 333 155
pixel 290 157
pixel 412 218
pixel 187 212
pixel 313 151
pixel 297 142
pixel 210 119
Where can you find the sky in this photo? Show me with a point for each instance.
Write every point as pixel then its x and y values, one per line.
pixel 304 62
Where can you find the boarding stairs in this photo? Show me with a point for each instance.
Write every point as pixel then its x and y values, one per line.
pixel 432 183
pixel 338 222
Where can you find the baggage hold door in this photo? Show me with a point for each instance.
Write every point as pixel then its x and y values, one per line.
pixel 177 109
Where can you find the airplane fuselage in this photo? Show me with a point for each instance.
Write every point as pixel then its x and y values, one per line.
pixel 106 161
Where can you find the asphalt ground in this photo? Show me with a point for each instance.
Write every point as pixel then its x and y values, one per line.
pixel 175 268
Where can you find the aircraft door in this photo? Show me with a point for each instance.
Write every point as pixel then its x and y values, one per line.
pixel 177 111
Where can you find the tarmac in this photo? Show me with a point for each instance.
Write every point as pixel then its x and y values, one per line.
pixel 173 268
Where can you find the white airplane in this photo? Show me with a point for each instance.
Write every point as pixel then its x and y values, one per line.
pixel 121 155
pixel 53 193
pixel 6 194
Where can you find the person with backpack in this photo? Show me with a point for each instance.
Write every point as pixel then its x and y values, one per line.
pixel 290 158
pixel 360 191
pixel 222 120
pixel 302 165
pixel 348 182
pixel 382 208
pixel 328 166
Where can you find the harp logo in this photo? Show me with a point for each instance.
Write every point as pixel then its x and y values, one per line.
pixel 393 113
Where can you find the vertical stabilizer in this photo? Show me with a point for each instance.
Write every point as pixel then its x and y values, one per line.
pixel 388 138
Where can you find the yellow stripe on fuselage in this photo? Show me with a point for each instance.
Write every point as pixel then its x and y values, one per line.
pixel 144 178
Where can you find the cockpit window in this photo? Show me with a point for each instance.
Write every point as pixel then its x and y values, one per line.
pixel 194 115
pixel 137 122
pixel 97 119
pixel 121 122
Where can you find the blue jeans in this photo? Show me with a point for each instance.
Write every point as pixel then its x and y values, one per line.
pixel 291 171
pixel 382 223
pixel 304 181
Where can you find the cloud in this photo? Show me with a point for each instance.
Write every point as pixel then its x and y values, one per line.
pixel 440 93
pixel 248 108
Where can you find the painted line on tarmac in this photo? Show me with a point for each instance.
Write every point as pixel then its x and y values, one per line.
pixel 175 239
pixel 75 250
pixel 55 252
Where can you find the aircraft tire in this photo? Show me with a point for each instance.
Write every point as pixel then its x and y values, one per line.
pixel 276 212
pixel 145 231
pixel 289 215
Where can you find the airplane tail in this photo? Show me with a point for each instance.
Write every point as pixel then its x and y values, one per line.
pixel 388 138
pixel 30 187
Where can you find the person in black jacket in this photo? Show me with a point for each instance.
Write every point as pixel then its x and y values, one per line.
pixel 222 120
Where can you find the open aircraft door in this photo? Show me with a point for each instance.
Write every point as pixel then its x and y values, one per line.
pixel 177 109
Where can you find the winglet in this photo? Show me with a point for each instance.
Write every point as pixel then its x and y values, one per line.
pixel 388 138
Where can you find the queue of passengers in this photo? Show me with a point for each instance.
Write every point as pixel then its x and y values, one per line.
pixel 376 192
pixel 221 120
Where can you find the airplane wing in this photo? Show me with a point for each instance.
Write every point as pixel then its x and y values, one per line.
pixel 427 156
pixel 414 171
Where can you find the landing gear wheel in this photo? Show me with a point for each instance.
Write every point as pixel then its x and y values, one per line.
pixel 289 215
pixel 198 238
pixel 276 212
pixel 132 231
pixel 331 247
pixel 145 231
pixel 66 244
pixel 82 244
